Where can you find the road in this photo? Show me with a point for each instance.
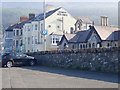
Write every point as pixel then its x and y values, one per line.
pixel 48 77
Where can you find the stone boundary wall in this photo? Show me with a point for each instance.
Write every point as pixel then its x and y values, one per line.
pixel 102 59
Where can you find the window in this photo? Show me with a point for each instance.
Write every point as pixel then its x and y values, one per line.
pixel 71 30
pixel 21 32
pixel 41 26
pixel 89 45
pixel 80 46
pixel 35 26
pixel 108 45
pixel 28 28
pixel 53 40
pixel 35 40
pixel 17 32
pixel 73 46
pixel 21 42
pixel 28 40
pixel 57 39
pixel 14 32
pixel 86 45
pixel 32 27
pixel 32 40
pixel 83 46
pixel 14 42
pixel 17 42
pixel 93 45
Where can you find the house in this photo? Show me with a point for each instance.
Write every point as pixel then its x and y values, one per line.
pixel 14 35
pixel 40 36
pixel 8 39
pixel 63 44
pixel 94 37
pixel 103 36
pixel 82 23
pixel 85 39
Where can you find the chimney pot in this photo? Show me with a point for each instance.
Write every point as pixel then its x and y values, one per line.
pixel 104 21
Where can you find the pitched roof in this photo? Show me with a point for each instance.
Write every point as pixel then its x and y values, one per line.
pixel 37 18
pixel 81 36
pixel 41 16
pixel 114 36
pixel 67 37
pixel 17 25
pixel 84 19
pixel 105 31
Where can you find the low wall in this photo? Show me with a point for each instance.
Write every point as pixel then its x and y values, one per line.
pixel 85 59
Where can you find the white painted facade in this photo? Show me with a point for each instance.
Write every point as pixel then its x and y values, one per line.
pixel 34 41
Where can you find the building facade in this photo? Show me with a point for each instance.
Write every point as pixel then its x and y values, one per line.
pixel 37 37
pixel 1 41
pixel 92 38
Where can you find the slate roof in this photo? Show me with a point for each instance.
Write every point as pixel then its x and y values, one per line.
pixel 37 18
pixel 41 16
pixel 81 36
pixel 84 19
pixel 114 36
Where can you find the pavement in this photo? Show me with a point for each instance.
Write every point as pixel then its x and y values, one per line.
pixel 49 77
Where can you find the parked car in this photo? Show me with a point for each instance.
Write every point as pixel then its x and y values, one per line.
pixel 10 59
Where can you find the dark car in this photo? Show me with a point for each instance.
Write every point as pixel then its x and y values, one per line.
pixel 10 59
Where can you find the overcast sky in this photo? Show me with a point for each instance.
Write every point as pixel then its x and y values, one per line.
pixel 89 8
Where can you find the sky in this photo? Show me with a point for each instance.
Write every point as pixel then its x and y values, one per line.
pixel 60 0
pixel 88 8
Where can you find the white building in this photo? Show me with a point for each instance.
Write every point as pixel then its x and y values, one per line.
pixel 57 23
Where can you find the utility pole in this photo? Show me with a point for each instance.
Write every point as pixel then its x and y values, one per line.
pixel 44 9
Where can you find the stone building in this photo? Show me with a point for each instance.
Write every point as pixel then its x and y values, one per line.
pixel 82 23
pixel 95 37
pixel 63 44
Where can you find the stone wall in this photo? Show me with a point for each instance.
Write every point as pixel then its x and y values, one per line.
pixel 85 59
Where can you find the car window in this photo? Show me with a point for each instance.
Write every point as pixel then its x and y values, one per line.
pixel 21 55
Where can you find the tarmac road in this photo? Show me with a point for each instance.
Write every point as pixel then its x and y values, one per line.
pixel 48 77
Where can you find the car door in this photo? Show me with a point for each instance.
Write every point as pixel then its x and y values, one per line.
pixel 19 58
pixel 23 58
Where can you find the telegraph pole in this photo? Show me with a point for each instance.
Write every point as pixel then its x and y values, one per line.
pixel 44 9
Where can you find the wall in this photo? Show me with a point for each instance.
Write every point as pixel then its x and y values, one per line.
pixel 86 59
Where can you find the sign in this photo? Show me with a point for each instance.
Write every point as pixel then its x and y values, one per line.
pixel 45 32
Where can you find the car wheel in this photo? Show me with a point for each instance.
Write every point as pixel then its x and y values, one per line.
pixel 32 63
pixel 9 64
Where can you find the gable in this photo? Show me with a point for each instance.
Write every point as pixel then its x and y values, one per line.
pixel 63 40
pixel 93 35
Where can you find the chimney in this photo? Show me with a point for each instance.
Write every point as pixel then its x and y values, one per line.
pixel 104 21
pixel 22 19
pixel 31 16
